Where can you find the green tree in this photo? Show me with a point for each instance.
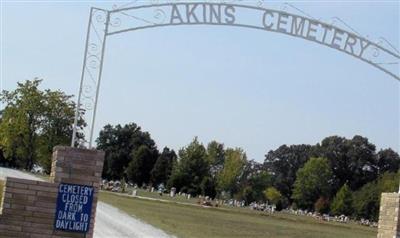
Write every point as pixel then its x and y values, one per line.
pixel 119 143
pixel 215 157
pixel 208 187
pixel 191 168
pixel 33 122
pixel 322 205
pixel 3 161
pixel 229 178
pixel 253 183
pixel 388 161
pixel 56 127
pixel 342 203
pixel 273 195
pixel 366 200
pixel 362 153
pixel 139 167
pixel 313 181
pixel 162 169
pixel 21 121
pixel 352 161
pixel 284 162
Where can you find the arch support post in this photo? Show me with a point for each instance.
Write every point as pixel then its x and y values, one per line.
pixel 90 78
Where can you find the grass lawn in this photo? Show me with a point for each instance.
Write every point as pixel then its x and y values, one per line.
pixel 193 221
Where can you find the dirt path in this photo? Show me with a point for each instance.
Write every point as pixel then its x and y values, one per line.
pixel 110 221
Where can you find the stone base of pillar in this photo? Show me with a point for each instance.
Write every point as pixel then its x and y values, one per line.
pixel 389 226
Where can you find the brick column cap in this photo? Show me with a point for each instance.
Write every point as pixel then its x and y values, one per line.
pixel 391 194
pixel 79 150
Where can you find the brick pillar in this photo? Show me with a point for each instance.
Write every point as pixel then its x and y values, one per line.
pixel 28 207
pixel 389 226
pixel 78 166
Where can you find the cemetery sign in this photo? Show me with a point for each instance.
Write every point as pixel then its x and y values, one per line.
pixel 378 53
pixel 74 207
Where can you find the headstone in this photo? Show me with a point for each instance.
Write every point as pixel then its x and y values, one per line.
pixel 172 192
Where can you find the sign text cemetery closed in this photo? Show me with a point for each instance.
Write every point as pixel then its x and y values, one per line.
pixel 74 206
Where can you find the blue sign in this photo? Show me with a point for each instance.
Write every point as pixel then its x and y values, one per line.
pixel 74 207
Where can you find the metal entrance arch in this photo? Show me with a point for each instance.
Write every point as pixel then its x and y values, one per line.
pixel 105 23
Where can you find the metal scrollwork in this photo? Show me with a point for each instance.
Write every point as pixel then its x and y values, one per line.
pixel 376 52
pixel 159 16
pixel 260 3
pixel 384 40
pixel 100 18
pixel 91 73
pixel 284 7
pixel 132 16
pixel 93 47
pixel 333 21
pixel 115 22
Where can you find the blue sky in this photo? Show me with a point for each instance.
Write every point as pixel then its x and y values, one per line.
pixel 246 88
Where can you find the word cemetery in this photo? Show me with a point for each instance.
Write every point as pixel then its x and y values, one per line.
pixel 270 20
pixel 74 206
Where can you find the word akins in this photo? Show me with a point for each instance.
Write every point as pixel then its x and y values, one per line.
pixel 202 13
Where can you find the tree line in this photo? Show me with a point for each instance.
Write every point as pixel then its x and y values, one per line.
pixel 338 175
pixel 211 170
